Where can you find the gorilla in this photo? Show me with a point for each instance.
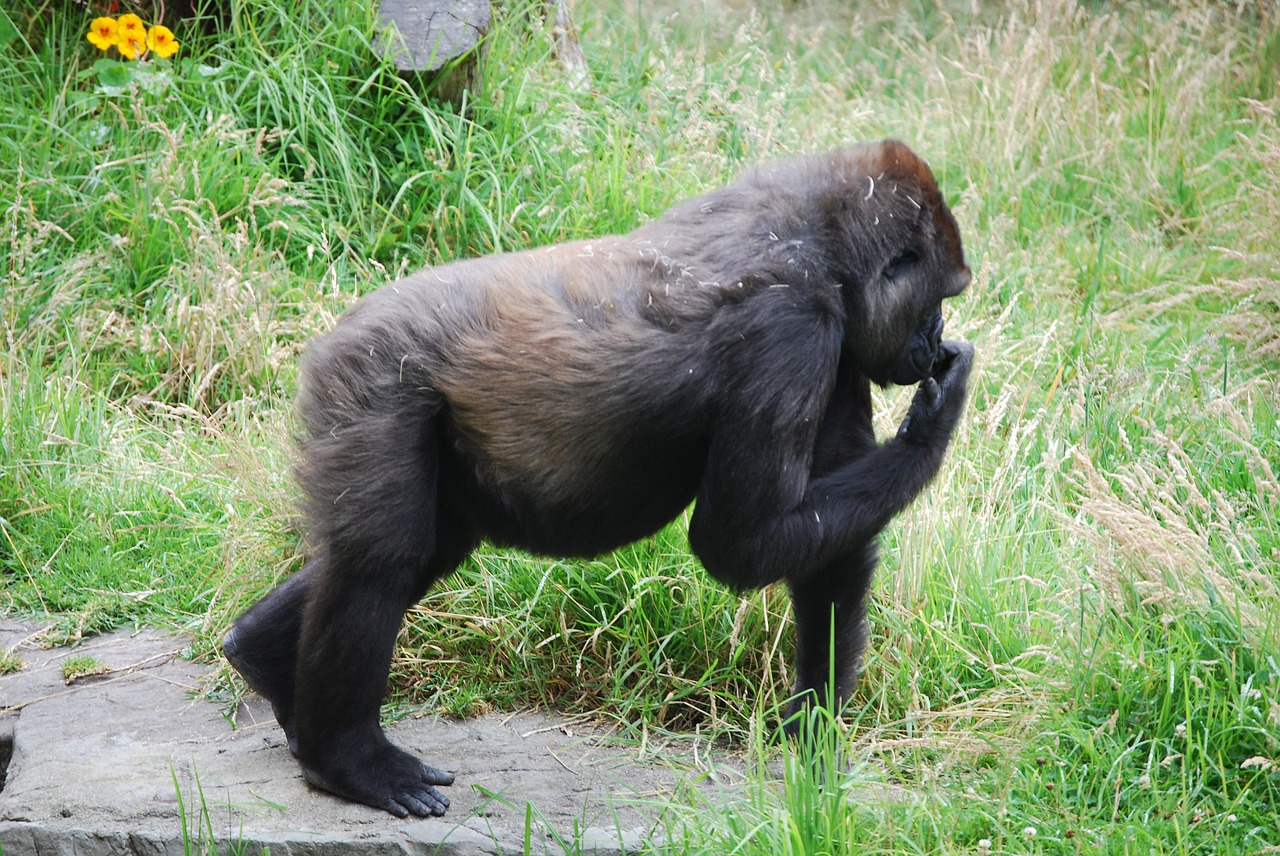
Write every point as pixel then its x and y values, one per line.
pixel 571 399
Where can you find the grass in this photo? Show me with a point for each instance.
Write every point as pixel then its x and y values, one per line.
pixel 10 663
pixel 195 813
pixel 78 666
pixel 1075 630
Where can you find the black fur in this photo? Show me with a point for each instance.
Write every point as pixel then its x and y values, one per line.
pixel 571 399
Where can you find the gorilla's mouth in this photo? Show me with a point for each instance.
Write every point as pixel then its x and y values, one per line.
pixel 922 361
pixel 913 366
pixel 924 355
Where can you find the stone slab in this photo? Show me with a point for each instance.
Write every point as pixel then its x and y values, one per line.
pixel 134 760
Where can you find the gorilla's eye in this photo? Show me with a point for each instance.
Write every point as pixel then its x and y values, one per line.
pixel 900 264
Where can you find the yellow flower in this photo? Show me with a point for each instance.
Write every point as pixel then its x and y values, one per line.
pixel 132 36
pixel 161 41
pixel 103 33
pixel 132 27
pixel 130 48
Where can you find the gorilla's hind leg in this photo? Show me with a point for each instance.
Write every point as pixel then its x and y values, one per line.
pixel 394 542
pixel 262 645
pixel 347 642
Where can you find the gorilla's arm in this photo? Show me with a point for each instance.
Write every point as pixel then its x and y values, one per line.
pixel 760 517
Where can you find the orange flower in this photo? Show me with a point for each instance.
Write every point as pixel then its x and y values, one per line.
pixel 132 36
pixel 161 41
pixel 104 33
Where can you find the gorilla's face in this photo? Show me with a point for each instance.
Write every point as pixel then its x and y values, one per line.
pixel 905 260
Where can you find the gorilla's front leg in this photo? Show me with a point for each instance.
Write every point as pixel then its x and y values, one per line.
pixel 348 636
pixel 830 614
pixel 829 603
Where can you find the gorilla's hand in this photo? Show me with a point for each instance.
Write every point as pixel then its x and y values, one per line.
pixel 940 397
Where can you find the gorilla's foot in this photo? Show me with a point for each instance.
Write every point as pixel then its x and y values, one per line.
pixel 799 716
pixel 263 680
pixel 809 712
pixel 382 776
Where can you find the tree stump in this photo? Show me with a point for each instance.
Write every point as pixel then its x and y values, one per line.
pixel 441 41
